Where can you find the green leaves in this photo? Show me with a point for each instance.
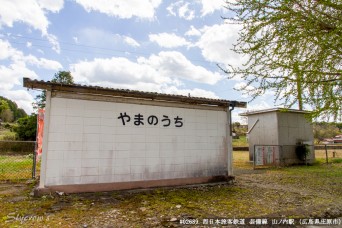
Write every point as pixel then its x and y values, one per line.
pixel 294 49
pixel 64 77
pixel 27 128
pixel 9 110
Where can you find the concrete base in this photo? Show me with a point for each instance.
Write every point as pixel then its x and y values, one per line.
pixel 102 187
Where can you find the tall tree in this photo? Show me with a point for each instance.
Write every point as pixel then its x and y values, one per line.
pixel 294 47
pixel 7 115
pixel 64 77
pixel 13 107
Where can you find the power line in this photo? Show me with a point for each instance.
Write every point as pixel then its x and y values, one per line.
pixel 211 64
pixel 71 50
pixel 77 45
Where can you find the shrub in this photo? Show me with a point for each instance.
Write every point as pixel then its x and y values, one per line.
pixel 302 151
pixel 27 128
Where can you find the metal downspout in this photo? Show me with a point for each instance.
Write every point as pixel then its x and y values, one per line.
pixel 232 104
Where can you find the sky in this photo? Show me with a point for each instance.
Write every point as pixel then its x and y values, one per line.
pixel 162 46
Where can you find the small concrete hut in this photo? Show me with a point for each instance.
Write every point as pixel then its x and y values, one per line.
pixel 280 130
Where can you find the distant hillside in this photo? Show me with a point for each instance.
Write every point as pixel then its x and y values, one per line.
pixel 9 110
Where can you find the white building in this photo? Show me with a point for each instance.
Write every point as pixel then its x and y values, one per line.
pixel 101 139
pixel 282 129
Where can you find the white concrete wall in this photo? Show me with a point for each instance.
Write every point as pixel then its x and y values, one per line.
pixel 280 128
pixel 264 132
pixel 293 127
pixel 87 143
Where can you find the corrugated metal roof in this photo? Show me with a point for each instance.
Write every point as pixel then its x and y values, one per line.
pixel 248 113
pixel 87 89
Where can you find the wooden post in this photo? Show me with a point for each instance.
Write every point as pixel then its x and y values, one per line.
pixel 253 156
pixel 34 165
pixel 326 153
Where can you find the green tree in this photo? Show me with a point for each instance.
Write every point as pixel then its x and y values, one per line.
pixel 7 115
pixel 239 129
pixel 20 113
pixel 5 112
pixel 64 77
pixel 339 126
pixel 325 130
pixel 3 105
pixel 12 107
pixel 26 128
pixel 294 47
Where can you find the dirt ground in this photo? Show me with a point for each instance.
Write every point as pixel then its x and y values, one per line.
pixel 299 192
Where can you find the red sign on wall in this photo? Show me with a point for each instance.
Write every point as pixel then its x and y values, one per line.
pixel 40 129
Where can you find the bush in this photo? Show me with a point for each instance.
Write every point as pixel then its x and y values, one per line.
pixel 302 151
pixel 27 128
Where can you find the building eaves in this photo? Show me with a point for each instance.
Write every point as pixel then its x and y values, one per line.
pixel 97 90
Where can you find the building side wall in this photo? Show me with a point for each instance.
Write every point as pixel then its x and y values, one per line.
pixel 294 128
pixel 88 143
pixel 281 128
pixel 264 132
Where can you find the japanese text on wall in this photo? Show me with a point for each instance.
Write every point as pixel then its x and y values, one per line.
pixel 139 120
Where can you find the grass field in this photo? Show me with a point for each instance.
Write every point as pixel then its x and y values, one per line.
pixel 241 141
pixel 241 158
pixel 15 167
pixel 334 156
pixel 287 192
pixel 20 167
pixel 6 134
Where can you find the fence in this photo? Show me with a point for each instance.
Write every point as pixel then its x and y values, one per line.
pixel 280 155
pixel 284 154
pixel 17 160
pixel 329 153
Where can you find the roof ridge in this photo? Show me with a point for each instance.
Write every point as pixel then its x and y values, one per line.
pixel 56 86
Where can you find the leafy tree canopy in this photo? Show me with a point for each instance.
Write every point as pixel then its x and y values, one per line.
pixel 64 77
pixel 325 130
pixel 3 105
pixel 27 128
pixel 294 47
pixel 8 107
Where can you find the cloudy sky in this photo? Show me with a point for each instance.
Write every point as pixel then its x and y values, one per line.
pixel 152 45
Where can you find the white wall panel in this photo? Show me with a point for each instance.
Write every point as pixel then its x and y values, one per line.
pixel 88 143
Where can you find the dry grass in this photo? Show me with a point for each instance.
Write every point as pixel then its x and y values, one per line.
pixel 241 160
pixel 322 154
pixel 293 192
